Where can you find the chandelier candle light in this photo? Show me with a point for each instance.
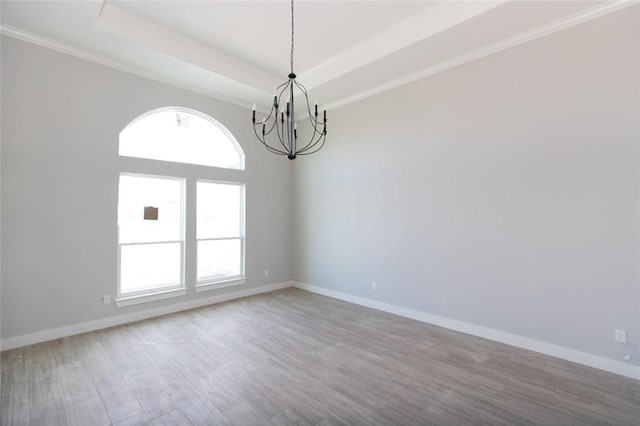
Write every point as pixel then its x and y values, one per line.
pixel 282 119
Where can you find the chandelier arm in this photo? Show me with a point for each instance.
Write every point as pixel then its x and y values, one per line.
pixel 285 134
pixel 290 135
pixel 314 121
pixel 258 136
pixel 302 89
pixel 280 136
pixel 312 140
pixel 304 92
pixel 266 145
pixel 293 140
pixel 273 106
pixel 286 137
pixel 283 86
pixel 268 117
pixel 266 132
pixel 272 126
pixel 273 148
pixel 315 138
pixel 324 138
pixel 312 144
pixel 316 133
pixel 315 127
pixel 306 96
pixel 274 151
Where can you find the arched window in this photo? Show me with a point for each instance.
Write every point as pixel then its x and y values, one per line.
pixel 181 135
pixel 154 211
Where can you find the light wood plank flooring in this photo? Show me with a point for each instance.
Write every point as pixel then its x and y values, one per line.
pixel 292 357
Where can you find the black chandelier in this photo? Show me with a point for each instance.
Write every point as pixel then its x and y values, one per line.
pixel 282 119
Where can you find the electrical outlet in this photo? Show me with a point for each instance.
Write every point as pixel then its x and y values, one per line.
pixel 106 299
pixel 374 285
pixel 266 272
pixel 620 336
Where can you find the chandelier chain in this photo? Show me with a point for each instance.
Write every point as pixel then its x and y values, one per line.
pixel 292 28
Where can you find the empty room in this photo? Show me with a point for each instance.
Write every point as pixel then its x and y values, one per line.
pixel 320 212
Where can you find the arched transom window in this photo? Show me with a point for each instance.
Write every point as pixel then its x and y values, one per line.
pixel 182 136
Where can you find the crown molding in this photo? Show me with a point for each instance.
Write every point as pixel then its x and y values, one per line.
pixel 70 50
pixel 433 20
pixel 118 21
pixel 58 46
pixel 524 37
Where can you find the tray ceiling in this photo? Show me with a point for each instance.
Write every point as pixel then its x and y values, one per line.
pixel 238 51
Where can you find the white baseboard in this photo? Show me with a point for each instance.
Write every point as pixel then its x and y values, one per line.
pixel 70 330
pixel 579 357
pixel 551 349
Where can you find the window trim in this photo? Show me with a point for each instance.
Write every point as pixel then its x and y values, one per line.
pixel 217 285
pixel 189 174
pixel 230 280
pixel 150 293
pixel 149 297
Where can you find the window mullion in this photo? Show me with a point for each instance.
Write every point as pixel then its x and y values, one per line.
pixel 191 249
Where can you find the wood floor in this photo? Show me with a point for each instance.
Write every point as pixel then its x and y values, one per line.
pixel 292 357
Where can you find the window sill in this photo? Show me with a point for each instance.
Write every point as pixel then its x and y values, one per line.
pixel 149 297
pixel 219 284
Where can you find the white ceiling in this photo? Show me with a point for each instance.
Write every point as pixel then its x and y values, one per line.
pixel 238 50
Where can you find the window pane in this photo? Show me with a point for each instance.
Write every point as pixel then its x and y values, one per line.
pixel 218 210
pixel 218 259
pixel 150 266
pixel 181 137
pixel 135 194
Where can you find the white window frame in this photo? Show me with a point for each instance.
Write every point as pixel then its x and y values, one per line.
pixel 190 174
pixel 230 281
pixel 170 290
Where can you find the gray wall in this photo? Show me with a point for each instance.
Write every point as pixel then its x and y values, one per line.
pixel 503 193
pixel 60 122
